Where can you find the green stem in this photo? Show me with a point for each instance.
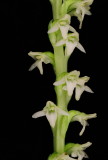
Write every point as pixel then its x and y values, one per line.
pixel 56 4
pixel 60 67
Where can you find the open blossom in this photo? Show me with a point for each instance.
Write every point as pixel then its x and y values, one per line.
pixel 70 43
pixel 82 118
pixel 72 81
pixel 77 150
pixel 40 57
pixel 82 9
pixel 63 25
pixel 50 111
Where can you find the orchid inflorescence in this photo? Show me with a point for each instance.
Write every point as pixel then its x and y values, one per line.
pixel 64 39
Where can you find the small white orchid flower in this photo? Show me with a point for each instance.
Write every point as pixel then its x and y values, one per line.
pixel 82 118
pixel 50 111
pixel 82 9
pixel 68 81
pixel 77 150
pixel 62 25
pixel 46 57
pixel 72 81
pixel 81 87
pixel 70 43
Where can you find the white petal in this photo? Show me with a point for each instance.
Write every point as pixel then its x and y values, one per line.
pixel 88 13
pixel 80 47
pixel 87 89
pixel 33 66
pixel 83 129
pixel 70 87
pixel 82 80
pixel 53 29
pixel 39 65
pixel 34 54
pixel 64 31
pixel 74 154
pixel 89 116
pixel 38 114
pixel 57 83
pixel 52 117
pixel 61 111
pixel 78 92
pixel 71 29
pixel 70 48
pixel 86 145
pixel 60 43
pixel 81 155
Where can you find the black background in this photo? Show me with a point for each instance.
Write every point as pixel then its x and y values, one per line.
pixel 23 28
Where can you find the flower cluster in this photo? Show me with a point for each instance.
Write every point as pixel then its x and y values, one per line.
pixel 71 81
pixel 78 8
pixel 69 40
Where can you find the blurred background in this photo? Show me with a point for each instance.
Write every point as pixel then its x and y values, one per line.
pixel 23 28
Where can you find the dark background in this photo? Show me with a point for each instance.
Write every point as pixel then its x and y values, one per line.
pixel 23 28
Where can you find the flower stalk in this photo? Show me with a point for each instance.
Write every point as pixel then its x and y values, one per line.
pixel 64 39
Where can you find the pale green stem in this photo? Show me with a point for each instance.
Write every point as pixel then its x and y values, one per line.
pixel 60 67
pixel 56 8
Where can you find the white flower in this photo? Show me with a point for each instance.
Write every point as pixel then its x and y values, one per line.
pixel 68 81
pixel 62 25
pixel 46 57
pixel 70 43
pixel 50 111
pixel 82 118
pixel 72 81
pixel 77 150
pixel 82 9
pixel 64 157
pixel 81 87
